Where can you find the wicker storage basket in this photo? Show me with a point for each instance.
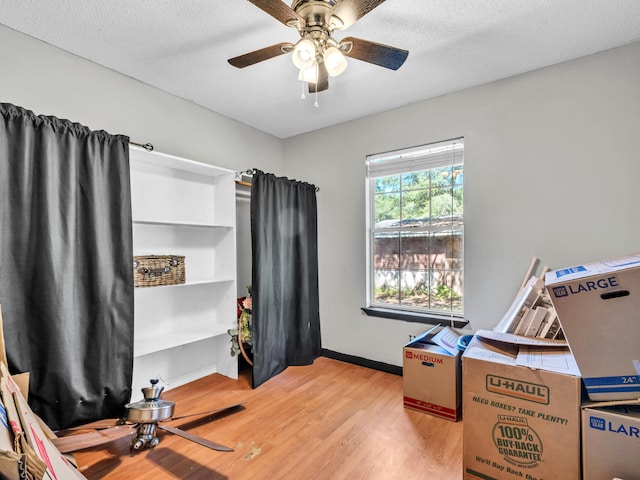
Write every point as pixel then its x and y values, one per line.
pixel 155 270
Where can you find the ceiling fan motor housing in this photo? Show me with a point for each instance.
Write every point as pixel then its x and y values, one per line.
pixel 152 408
pixel 146 414
pixel 318 17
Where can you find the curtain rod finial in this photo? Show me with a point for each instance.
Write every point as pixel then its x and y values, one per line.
pixel 147 146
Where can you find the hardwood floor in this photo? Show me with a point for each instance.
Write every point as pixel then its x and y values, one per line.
pixel 331 420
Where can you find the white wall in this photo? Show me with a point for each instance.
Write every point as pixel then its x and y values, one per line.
pixel 551 170
pixel 243 244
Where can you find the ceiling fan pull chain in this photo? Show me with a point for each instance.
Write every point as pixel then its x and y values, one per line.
pixel 316 102
pixel 302 95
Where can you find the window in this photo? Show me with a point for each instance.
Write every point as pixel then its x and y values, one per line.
pixel 415 230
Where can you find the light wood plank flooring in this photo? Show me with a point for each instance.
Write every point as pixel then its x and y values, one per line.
pixel 331 420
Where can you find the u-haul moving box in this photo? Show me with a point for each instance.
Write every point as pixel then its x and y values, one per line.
pixel 521 415
pixel 431 373
pixel 598 305
pixel 611 442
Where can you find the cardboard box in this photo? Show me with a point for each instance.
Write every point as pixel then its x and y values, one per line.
pixel 28 432
pixel 597 305
pixel 611 441
pixel 431 373
pixel 521 411
pixel 26 450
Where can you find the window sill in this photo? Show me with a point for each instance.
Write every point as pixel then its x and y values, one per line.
pixel 416 317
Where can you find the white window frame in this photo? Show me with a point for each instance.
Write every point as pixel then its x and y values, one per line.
pixel 424 157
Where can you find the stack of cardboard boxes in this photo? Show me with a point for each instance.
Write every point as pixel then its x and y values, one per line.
pixel 599 309
pixel 545 407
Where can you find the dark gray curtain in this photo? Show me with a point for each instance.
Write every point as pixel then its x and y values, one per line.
pixel 286 319
pixel 66 283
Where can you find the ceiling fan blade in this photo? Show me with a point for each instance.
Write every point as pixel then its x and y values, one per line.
pixel 81 441
pixel 96 425
pixel 217 412
pixel 323 80
pixel 376 53
pixel 196 438
pixel 257 56
pixel 350 11
pixel 280 11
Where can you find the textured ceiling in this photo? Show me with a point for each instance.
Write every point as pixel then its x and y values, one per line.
pixel 182 46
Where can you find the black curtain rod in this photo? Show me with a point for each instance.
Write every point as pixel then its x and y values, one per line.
pixel 147 146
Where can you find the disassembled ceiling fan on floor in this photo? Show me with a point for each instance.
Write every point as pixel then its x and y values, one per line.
pixel 317 54
pixel 145 416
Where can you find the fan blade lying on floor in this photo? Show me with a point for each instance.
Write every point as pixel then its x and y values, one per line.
pixel 376 53
pixel 350 11
pixel 323 80
pixel 196 438
pixel 257 56
pixel 280 11
pixel 80 441
pixel 110 423
pixel 218 411
pixel 97 425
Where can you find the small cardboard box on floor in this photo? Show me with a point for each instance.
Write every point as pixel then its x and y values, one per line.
pixel 597 305
pixel 431 373
pixel 521 409
pixel 611 441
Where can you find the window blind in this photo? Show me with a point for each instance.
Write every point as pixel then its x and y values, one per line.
pixel 435 155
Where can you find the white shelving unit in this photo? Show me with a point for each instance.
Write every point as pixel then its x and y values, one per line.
pixel 182 207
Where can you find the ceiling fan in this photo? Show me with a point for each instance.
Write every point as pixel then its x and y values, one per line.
pixel 317 54
pixel 141 419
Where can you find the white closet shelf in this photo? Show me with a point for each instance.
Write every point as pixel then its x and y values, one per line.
pixel 153 342
pixel 202 281
pixel 173 223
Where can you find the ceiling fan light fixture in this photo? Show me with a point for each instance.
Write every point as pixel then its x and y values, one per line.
pixel 309 75
pixel 335 61
pixel 304 54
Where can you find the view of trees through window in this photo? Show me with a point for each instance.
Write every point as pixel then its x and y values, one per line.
pixel 417 240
